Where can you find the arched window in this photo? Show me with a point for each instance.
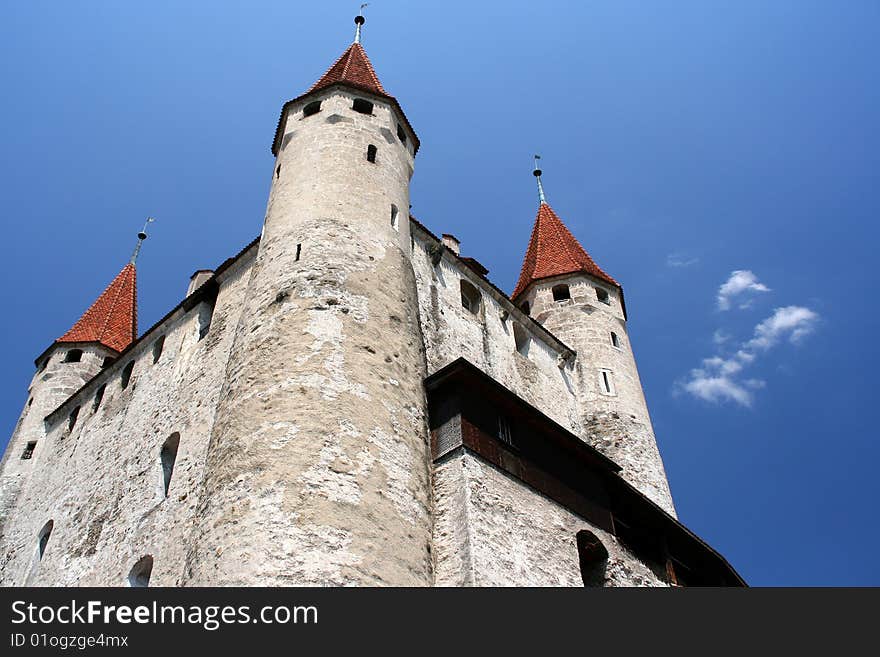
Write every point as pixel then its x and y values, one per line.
pixel 71 419
pixel 362 106
pixel 73 356
pixel 158 347
pixel 312 108
pixel 126 374
pixel 139 576
pixel 592 558
pixel 560 292
pixel 43 538
pixel 615 341
pixel 394 221
pixel 470 297
pixel 99 397
pixel 167 457
pixel 521 339
pixel 371 153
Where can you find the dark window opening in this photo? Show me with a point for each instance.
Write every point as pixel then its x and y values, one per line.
pixel 401 134
pixel 168 456
pixel 71 419
pixel 505 435
pixel 615 341
pixel 371 153
pixel 126 374
pixel 561 292
pixel 277 171
pixel 73 356
pixel 394 217
pixel 526 308
pixel 521 339
pixel 30 401
pixel 362 106
pixel 606 382
pixel 29 450
pixel 312 108
pixel 139 576
pixel 298 251
pixel 206 315
pixel 602 295
pixel 43 537
pixel 107 362
pixel 99 397
pixel 158 348
pixel 592 558
pixel 470 297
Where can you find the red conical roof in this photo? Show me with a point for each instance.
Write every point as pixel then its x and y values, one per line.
pixel 112 319
pixel 554 251
pixel 353 68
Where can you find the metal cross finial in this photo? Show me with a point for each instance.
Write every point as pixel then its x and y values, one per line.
pixel 537 173
pixel 359 20
pixel 141 237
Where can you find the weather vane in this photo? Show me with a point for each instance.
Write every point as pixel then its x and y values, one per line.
pixel 141 237
pixel 537 173
pixel 359 20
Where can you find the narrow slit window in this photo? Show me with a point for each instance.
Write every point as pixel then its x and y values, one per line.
pixel 139 576
pixel 521 339
pixel 158 348
pixel 401 134
pixel 126 375
pixel 168 457
pixel 99 397
pixel 615 341
pixel 394 222
pixel 298 251
pixel 371 153
pixel 43 537
pixel 277 171
pixel 362 106
pixel 561 292
pixel 71 419
pixel 73 356
pixel 607 382
pixel 312 108
pixel 29 450
pixel 470 297
pixel 206 313
pixel 602 295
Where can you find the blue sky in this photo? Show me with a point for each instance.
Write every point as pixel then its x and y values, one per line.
pixel 688 145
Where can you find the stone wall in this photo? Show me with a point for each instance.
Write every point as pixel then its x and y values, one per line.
pixel 101 482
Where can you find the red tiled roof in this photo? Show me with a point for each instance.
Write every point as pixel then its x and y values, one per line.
pixel 554 251
pixel 112 319
pixel 354 68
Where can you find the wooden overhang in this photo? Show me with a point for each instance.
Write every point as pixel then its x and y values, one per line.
pixel 467 410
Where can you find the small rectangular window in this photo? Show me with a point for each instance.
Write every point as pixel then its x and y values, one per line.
pixel 362 106
pixel 371 153
pixel 298 251
pixel 602 295
pixel 606 382
pixel 29 450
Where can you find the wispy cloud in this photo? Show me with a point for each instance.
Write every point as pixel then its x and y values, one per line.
pixel 680 260
pixel 721 379
pixel 739 287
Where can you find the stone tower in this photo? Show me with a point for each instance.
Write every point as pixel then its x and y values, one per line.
pixel 567 292
pixel 317 469
pixel 102 333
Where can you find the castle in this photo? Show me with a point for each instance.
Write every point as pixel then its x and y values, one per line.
pixel 348 401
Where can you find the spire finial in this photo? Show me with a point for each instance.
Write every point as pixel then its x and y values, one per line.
pixel 537 173
pixel 141 237
pixel 359 20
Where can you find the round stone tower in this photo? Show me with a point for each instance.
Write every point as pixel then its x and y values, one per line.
pixel 104 330
pixel 565 290
pixel 318 467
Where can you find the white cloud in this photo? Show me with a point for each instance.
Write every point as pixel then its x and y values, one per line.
pixel 719 379
pixel 680 260
pixel 741 281
pixel 795 322
pixel 720 337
